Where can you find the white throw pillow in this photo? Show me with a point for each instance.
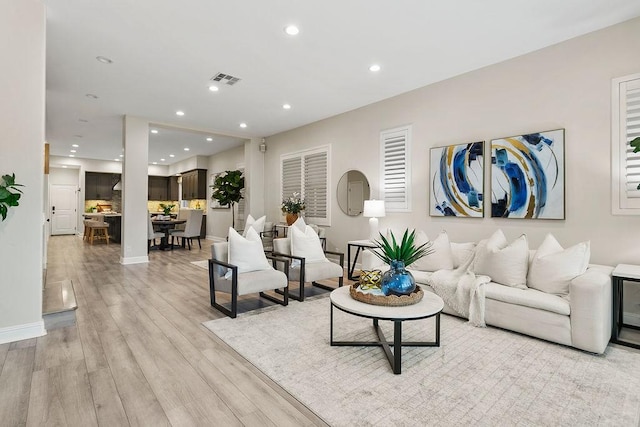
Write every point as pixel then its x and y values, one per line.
pixel 462 252
pixel 505 264
pixel 440 257
pixel 306 244
pixel 246 253
pixel 256 224
pixel 553 267
pixel 299 224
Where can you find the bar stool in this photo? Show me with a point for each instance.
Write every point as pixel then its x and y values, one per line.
pixel 95 230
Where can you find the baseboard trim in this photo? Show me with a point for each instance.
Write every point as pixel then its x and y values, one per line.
pixel 22 332
pixel 134 260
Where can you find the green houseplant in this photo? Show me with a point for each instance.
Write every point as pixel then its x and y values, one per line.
pixel 227 190
pixel 398 281
pixel 292 206
pixel 166 209
pixel 9 194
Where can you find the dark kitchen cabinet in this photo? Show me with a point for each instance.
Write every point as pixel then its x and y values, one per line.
pixel 194 184
pixel 158 188
pixel 99 186
pixel 174 193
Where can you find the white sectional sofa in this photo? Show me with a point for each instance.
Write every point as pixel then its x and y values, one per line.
pixel 581 318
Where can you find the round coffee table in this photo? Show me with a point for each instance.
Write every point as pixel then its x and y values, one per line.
pixel 430 306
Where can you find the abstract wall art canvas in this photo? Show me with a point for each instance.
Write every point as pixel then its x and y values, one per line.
pixel 527 176
pixel 457 180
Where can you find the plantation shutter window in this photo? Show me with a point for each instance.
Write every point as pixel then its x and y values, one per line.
pixel 241 205
pixel 315 185
pixel 395 169
pixel 625 127
pixel 307 173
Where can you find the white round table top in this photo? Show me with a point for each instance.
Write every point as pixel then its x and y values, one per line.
pixel 429 305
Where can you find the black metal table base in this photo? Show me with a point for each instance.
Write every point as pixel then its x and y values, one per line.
pixel 393 356
pixel 618 318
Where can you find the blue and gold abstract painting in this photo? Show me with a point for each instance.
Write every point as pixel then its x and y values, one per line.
pixel 527 176
pixel 457 180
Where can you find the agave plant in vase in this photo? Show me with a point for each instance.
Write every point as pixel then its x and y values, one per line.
pixel 399 281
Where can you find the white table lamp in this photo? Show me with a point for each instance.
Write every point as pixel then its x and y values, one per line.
pixel 373 209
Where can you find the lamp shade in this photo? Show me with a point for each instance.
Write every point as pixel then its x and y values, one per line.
pixel 373 209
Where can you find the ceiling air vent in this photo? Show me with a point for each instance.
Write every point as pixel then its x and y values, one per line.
pixel 225 78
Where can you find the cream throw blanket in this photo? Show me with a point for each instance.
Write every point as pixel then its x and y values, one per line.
pixel 462 290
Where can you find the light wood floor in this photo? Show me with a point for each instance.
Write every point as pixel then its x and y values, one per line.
pixel 138 354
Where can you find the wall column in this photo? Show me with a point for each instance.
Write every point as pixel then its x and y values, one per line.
pixel 254 177
pixel 22 105
pixel 135 219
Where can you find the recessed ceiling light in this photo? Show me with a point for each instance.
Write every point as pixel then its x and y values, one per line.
pixel 243 125
pixel 117 160
pixel 104 59
pixel 286 106
pixel 162 160
pixel 71 155
pixel 72 151
pixel 64 166
pixel 75 145
pixel 213 88
pixel 154 130
pixel 92 96
pixel 171 155
pixel 179 113
pixel 186 148
pixel 154 163
pixel 209 139
pixel 374 68
pixel 292 30
pixel 121 155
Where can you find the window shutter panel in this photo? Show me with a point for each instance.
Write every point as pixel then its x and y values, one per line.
pixel 291 176
pixel 315 185
pixel 395 169
pixel 630 122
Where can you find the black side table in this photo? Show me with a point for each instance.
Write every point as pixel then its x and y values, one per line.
pixel 622 273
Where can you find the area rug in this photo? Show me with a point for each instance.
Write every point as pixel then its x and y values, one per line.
pixel 202 264
pixel 478 376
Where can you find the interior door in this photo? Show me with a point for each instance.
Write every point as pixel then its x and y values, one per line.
pixel 64 200
pixel 355 197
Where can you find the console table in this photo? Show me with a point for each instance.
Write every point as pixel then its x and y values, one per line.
pixel 622 273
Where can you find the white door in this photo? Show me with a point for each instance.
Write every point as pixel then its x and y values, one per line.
pixel 64 200
pixel 355 198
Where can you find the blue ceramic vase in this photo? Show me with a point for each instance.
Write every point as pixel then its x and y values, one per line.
pixel 398 281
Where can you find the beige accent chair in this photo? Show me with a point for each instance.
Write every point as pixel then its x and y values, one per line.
pixel 244 283
pixel 191 229
pixel 309 272
pixel 152 234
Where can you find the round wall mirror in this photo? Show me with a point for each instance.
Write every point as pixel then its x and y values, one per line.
pixel 353 190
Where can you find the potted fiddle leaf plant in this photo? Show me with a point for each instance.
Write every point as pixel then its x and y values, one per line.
pixel 9 194
pixel 227 190
pixel 397 280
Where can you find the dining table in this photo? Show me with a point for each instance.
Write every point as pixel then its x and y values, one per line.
pixel 165 226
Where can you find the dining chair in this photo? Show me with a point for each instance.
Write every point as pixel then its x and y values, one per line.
pixel 152 234
pixel 191 229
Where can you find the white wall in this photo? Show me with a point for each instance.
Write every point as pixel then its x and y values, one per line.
pixel 219 220
pixel 22 47
pixel 564 86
